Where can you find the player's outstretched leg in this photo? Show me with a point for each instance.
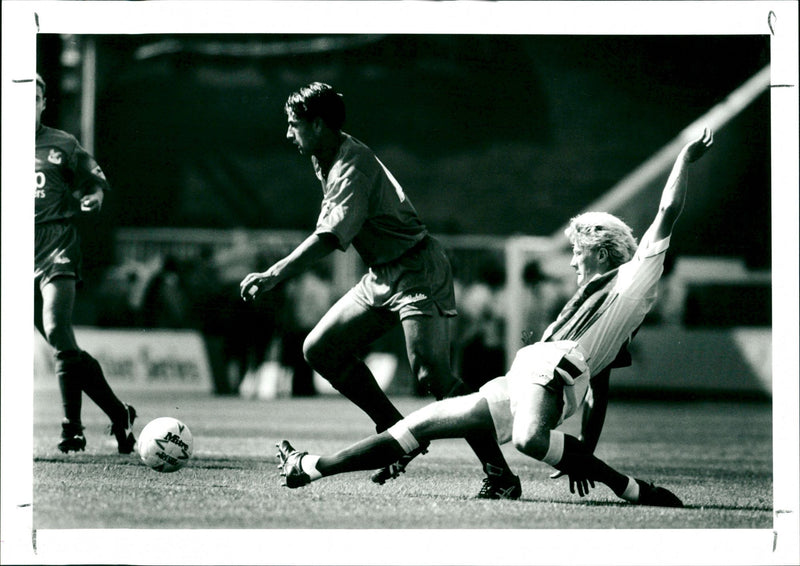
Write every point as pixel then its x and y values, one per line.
pixel 300 468
pixel 123 431
pixel 290 465
pixel 98 389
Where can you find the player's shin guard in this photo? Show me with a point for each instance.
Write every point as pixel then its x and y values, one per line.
pixel 69 370
pixel 99 391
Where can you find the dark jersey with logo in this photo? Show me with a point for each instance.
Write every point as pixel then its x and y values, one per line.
pixel 64 171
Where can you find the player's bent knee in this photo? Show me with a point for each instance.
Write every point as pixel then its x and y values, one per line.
pixel 308 350
pixel 316 354
pixel 533 445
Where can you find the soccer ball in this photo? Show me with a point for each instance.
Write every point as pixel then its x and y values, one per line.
pixel 165 444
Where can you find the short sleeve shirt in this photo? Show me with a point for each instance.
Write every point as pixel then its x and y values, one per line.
pixel 363 204
pixel 62 167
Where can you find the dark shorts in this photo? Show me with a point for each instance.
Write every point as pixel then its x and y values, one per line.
pixel 57 252
pixel 418 283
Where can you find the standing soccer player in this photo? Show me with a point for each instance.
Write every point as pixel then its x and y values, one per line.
pixel 68 181
pixel 409 280
pixel 550 379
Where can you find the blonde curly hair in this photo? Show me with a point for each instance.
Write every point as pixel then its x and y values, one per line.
pixel 593 230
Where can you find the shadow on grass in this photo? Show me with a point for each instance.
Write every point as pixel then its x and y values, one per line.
pixel 623 504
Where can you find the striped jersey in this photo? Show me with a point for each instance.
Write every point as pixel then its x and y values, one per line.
pixel 612 318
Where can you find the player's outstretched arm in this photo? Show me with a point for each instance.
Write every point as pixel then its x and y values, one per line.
pixel 311 250
pixel 674 194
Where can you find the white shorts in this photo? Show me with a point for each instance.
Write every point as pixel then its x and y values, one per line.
pixel 558 366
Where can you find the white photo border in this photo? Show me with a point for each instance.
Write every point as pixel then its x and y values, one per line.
pixel 23 20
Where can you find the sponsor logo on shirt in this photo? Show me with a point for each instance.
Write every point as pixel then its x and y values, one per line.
pixel 54 157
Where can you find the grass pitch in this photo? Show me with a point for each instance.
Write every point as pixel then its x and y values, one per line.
pixel 716 456
pixel 228 505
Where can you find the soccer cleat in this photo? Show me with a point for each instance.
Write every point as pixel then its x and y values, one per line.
pixel 123 431
pixel 650 494
pixel 289 465
pixel 499 484
pixel 392 471
pixel 72 439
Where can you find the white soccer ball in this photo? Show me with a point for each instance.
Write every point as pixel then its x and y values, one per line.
pixel 165 444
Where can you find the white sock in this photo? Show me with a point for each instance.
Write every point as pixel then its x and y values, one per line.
pixel 308 464
pixel 402 434
pixel 631 492
pixel 555 450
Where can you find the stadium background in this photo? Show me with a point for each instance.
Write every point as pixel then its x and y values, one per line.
pixel 492 137
pixel 717 454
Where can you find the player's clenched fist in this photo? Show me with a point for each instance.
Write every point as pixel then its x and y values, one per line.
pixel 92 202
pixel 256 283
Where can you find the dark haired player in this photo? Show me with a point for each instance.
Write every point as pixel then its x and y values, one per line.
pixel 68 180
pixel 409 281
pixel 549 380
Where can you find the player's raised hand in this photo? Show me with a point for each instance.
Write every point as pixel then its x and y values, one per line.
pixel 695 149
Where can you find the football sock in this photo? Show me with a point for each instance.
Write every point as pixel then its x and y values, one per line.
pixel 308 464
pixel 402 434
pixel 555 450
pixel 69 372
pixel 99 391
pixel 631 492
pixel 358 384
pixel 485 446
pixel 377 451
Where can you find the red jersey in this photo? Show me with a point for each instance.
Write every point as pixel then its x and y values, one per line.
pixel 363 204
pixel 63 167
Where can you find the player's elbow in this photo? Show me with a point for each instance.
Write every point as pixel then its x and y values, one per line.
pixel 328 242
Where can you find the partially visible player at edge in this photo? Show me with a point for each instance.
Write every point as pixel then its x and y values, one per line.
pixel 550 379
pixel 409 281
pixel 68 180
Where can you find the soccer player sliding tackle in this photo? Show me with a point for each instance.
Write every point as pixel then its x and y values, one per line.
pixel 549 380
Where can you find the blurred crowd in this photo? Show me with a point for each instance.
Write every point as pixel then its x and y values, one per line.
pixel 249 343
pixel 483 302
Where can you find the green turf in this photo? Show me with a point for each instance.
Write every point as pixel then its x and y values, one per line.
pixel 716 456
